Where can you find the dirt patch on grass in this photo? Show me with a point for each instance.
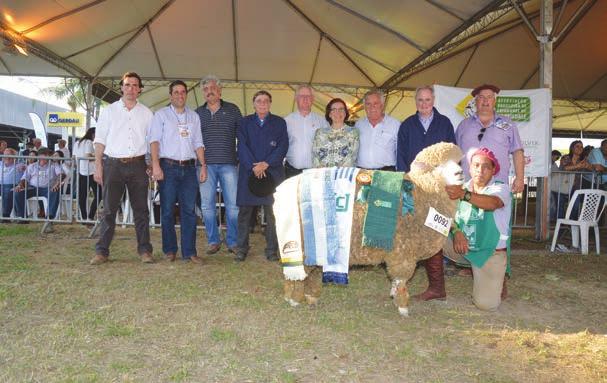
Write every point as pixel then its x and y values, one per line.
pixel 63 320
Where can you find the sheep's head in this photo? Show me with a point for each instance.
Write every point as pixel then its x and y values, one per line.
pixel 437 166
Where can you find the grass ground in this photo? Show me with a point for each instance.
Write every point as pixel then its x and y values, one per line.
pixel 62 320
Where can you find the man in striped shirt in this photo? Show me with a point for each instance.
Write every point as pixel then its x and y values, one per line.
pixel 219 121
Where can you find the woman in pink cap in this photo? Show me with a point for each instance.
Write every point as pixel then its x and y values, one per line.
pixel 481 234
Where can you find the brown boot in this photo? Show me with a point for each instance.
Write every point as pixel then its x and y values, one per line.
pixel 436 279
pixel 504 294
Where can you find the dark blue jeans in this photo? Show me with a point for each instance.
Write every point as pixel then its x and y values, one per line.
pixel 51 196
pixel 7 200
pixel 180 185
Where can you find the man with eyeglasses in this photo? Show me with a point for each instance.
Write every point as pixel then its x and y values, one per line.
pixel 424 128
pixel 498 133
pixel 378 134
pixel 301 127
pixel 175 144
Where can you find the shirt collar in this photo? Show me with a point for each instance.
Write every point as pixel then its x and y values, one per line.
pixel 124 105
pixel 260 121
pixel 429 118
pixel 477 119
pixel 185 109
pixel 206 106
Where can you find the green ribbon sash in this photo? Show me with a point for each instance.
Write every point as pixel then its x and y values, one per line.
pixel 383 199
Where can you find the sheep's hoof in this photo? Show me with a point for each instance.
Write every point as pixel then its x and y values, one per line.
pixel 312 301
pixel 403 311
pixel 292 302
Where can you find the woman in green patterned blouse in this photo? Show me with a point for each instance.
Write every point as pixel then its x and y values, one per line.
pixel 337 145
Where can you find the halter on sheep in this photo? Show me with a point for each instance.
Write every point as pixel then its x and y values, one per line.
pixel 433 168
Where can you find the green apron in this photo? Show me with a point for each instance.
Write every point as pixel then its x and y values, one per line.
pixel 479 228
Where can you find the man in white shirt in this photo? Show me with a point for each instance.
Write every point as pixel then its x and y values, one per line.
pixel 378 135
pixel 301 127
pixel 120 149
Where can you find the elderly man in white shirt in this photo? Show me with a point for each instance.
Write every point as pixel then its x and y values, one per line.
pixel 120 149
pixel 378 135
pixel 301 127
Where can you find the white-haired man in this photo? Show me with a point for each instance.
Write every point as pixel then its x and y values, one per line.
pixel 378 135
pixel 301 127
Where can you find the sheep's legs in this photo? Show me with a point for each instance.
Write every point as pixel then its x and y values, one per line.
pixel 401 274
pixel 313 284
pixel 294 292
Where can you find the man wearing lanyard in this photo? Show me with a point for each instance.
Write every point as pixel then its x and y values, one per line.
pixel 175 143
pixel 378 135
pixel 120 148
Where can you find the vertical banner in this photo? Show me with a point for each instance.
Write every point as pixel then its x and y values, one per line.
pixel 39 129
pixel 529 109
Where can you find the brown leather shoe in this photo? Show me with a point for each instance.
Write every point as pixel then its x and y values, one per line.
pixel 98 259
pixel 212 249
pixel 196 259
pixel 233 249
pixel 170 257
pixel 147 258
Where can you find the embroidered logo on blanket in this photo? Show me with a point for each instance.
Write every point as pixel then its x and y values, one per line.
pixel 342 202
pixel 380 203
pixel 290 247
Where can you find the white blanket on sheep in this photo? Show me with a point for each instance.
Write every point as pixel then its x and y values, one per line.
pixel 288 229
pixel 317 207
pixel 344 186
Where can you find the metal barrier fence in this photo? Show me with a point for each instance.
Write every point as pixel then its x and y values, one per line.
pixel 37 189
pixel 562 186
pixel 63 190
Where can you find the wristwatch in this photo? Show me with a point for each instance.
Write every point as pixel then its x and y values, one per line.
pixel 467 196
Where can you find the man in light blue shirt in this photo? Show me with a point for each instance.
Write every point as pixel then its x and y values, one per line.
pixel 175 143
pixel 598 160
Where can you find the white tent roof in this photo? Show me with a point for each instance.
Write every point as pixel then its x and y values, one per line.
pixel 342 47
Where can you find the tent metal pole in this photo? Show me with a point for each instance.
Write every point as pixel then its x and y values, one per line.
pixel 542 228
pixel 89 102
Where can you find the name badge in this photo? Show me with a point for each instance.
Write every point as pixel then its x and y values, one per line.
pixel 438 222
pixel 184 132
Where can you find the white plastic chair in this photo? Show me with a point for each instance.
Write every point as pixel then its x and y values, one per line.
pixel 589 215
pixel 32 206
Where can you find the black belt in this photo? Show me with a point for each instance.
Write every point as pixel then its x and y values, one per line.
pixel 190 162
pixel 289 166
pixel 386 168
pixel 126 160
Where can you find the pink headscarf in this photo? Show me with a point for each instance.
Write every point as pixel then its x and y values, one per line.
pixel 489 154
